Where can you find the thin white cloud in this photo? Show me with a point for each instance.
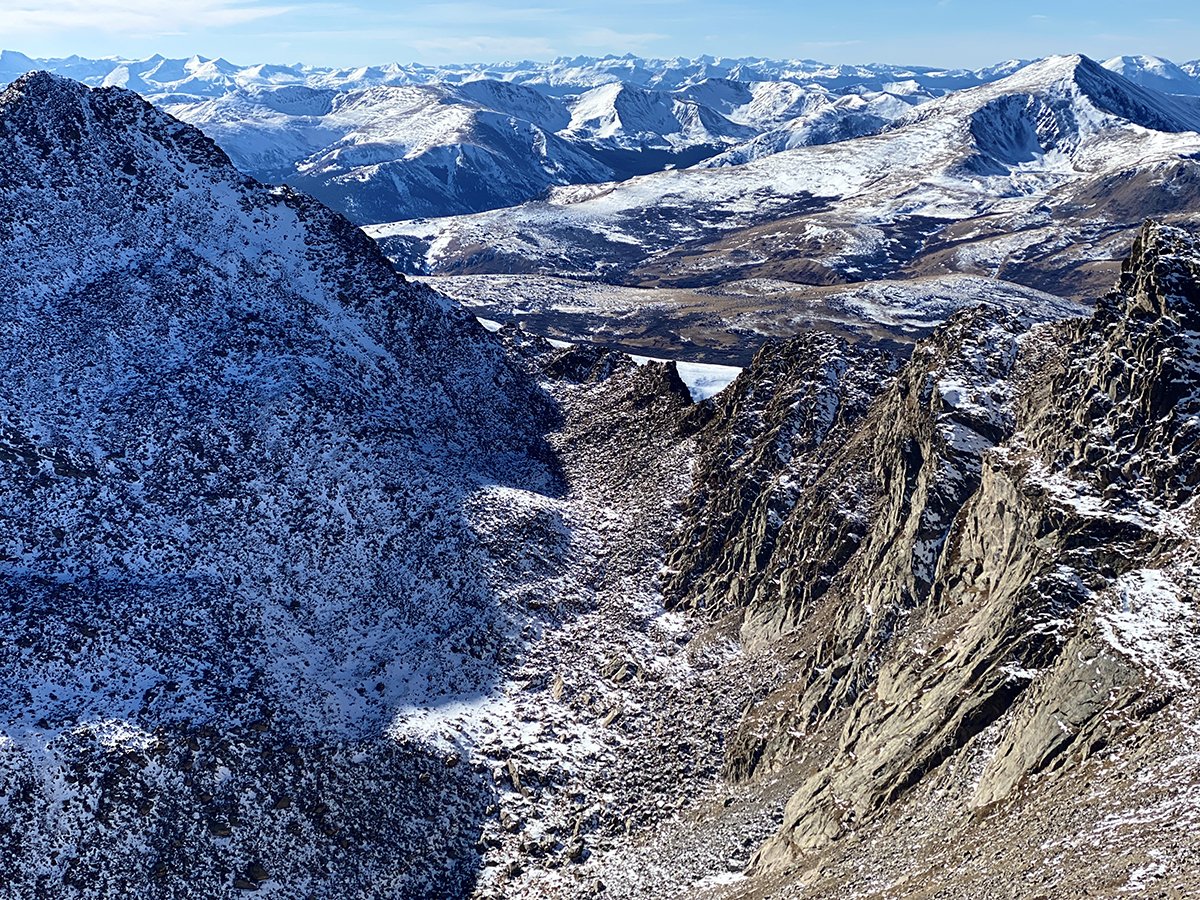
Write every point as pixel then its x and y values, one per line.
pixel 478 13
pixel 612 41
pixel 482 46
pixel 827 45
pixel 147 17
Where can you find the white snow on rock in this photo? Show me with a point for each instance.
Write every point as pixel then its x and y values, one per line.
pixel 1146 619
pixel 703 380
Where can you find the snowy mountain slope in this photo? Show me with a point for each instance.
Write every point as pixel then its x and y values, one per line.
pixel 240 466
pixel 518 101
pixel 829 122
pixel 421 149
pixel 288 566
pixel 1155 73
pixel 312 587
pixel 776 102
pixel 266 130
pixel 571 75
pixel 631 118
pixel 159 75
pixel 1078 98
pixel 999 170
pixel 725 95
pixel 429 150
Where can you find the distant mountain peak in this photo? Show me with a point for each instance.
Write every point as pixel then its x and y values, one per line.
pixel 1077 96
pixel 1155 73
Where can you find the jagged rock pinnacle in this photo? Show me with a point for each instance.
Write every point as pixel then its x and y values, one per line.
pixel 1161 275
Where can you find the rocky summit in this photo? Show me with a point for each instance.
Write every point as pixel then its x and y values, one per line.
pixel 312 585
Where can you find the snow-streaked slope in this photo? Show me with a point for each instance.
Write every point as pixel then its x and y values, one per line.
pixel 828 122
pixel 777 102
pixel 632 118
pixel 420 149
pixel 518 101
pixel 1021 148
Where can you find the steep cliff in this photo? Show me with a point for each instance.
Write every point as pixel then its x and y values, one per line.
pixel 1018 596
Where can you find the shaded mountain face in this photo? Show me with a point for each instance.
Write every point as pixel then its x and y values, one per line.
pixel 1057 108
pixel 990 180
pixel 984 584
pixel 241 461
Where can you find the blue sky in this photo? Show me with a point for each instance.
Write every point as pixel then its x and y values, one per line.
pixel 346 32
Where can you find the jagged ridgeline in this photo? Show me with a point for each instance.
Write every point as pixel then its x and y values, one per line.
pixel 987 575
pixel 235 455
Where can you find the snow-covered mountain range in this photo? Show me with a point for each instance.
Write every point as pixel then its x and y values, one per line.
pixel 384 143
pixel 1042 176
pixel 203 77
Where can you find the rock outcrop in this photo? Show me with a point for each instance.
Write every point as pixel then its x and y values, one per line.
pixel 762 444
pixel 1020 566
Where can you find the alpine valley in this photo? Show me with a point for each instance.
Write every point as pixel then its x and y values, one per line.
pixel 725 479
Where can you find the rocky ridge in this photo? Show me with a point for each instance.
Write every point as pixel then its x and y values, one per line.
pixel 240 460
pixel 1019 601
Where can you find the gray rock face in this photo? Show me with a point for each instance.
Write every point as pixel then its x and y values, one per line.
pixel 1017 566
pixel 1121 413
pixel 761 441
